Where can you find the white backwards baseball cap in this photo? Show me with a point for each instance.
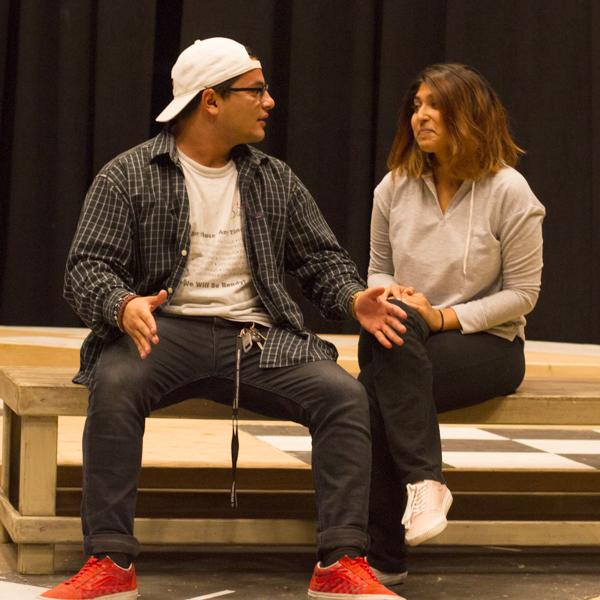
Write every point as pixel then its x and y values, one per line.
pixel 202 65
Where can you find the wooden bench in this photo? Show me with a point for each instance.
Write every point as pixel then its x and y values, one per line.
pixel 35 397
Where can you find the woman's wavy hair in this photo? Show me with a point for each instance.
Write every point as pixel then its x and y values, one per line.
pixel 480 140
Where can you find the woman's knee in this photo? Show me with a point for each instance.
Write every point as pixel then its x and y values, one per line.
pixel 415 324
pixel 417 331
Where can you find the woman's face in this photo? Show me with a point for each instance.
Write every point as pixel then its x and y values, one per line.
pixel 428 124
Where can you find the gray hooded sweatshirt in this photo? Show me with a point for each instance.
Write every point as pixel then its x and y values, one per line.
pixel 483 257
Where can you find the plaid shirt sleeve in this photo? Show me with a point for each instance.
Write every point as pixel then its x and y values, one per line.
pixel 326 273
pixel 98 274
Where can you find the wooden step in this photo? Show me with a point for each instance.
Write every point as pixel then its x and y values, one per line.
pixel 48 391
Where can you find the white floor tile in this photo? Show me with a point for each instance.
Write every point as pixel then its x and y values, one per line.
pixel 511 460
pixel 288 443
pixel 448 432
pixel 564 446
pixel 562 348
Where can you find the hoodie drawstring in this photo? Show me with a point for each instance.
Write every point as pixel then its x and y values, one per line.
pixel 468 243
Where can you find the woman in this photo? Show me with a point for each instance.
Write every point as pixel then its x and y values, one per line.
pixel 456 239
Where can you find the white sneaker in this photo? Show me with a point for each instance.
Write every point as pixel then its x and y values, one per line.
pixel 390 578
pixel 427 505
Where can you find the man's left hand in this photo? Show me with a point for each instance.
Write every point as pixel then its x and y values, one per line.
pixel 380 317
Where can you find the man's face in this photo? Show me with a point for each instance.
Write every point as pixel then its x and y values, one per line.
pixel 243 114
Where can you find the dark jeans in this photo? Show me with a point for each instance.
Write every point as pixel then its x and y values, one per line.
pixel 407 386
pixel 196 358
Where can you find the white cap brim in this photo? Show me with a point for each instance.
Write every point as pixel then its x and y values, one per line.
pixel 176 106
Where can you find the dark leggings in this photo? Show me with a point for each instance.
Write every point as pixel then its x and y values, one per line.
pixel 407 386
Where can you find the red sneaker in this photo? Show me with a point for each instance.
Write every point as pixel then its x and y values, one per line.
pixel 97 579
pixel 348 578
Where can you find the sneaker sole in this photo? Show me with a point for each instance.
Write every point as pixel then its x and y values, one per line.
pixel 332 596
pixel 131 595
pixel 436 529
pixel 392 578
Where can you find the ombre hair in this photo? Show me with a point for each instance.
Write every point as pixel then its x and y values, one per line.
pixel 476 121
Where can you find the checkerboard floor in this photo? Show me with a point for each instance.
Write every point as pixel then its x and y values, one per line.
pixel 475 447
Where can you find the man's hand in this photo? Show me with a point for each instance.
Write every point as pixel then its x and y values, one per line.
pixel 139 323
pixel 380 317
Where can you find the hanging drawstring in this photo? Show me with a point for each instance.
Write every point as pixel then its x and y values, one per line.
pixel 468 243
pixel 244 341
pixel 235 441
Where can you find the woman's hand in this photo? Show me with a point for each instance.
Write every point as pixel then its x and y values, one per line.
pixel 431 315
pixel 397 291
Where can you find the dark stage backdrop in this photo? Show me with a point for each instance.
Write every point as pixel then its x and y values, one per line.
pixel 81 80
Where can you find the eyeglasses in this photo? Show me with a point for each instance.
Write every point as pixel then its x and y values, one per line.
pixel 259 92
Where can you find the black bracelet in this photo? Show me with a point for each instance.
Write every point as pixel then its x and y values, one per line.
pixel 441 315
pixel 120 308
pixel 353 300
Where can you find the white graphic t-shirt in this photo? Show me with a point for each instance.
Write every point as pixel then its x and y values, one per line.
pixel 216 281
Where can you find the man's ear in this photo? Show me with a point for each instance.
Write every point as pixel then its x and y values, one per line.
pixel 210 101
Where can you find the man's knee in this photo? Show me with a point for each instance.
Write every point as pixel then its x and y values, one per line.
pixel 342 385
pixel 120 383
pixel 343 397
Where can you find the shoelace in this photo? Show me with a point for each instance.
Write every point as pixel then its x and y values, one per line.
pixel 87 567
pixel 416 501
pixel 366 569
pixel 360 568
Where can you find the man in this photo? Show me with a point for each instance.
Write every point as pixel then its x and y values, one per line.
pixel 183 244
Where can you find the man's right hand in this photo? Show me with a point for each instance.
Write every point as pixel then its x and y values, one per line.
pixel 139 323
pixel 379 317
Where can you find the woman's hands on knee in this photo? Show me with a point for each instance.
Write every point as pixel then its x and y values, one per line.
pixel 398 292
pixel 421 304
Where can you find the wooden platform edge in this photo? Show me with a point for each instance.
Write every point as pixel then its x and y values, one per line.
pixel 280 532
pixel 39 391
pixel 521 409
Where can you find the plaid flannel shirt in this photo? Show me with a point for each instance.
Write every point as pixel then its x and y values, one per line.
pixel 133 236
